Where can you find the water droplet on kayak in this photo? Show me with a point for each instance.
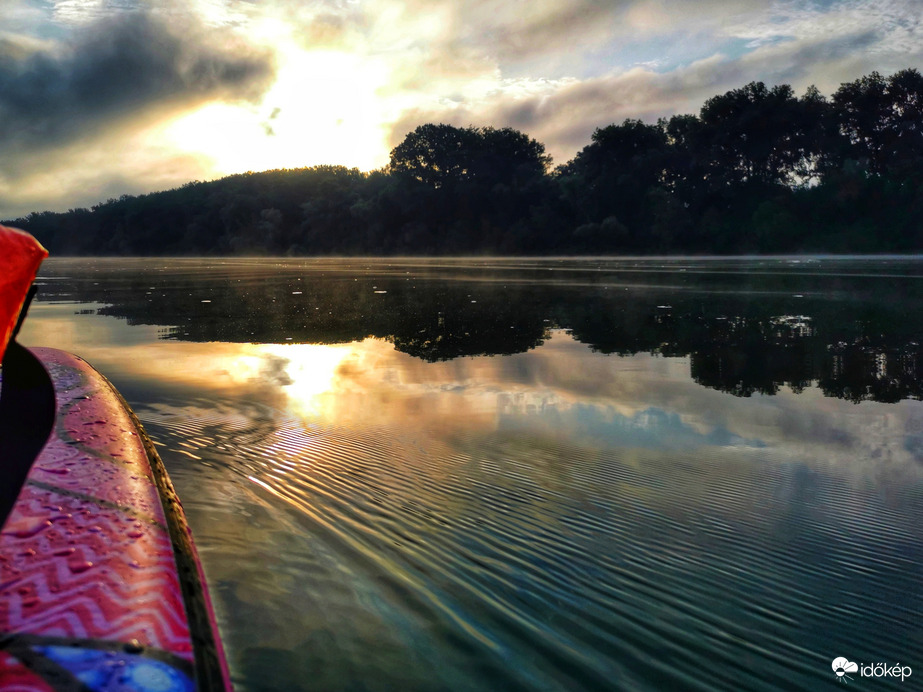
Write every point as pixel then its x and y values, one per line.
pixel 57 472
pixel 79 566
pixel 64 552
pixel 133 647
pixel 25 528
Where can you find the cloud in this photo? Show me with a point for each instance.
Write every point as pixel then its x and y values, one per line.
pixel 76 74
pixel 563 114
pixel 87 172
pixel 825 49
pixel 82 11
pixel 560 35
pixel 19 15
pixel 511 35
pixel 117 68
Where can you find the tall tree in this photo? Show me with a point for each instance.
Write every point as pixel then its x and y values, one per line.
pixel 441 155
pixel 471 185
pixel 882 121
pixel 611 178
pixel 757 134
pixel 508 157
pixel 435 155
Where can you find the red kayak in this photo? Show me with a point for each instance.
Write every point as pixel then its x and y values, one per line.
pixel 100 584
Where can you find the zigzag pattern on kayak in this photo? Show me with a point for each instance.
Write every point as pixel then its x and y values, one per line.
pixel 47 520
pixel 115 469
pixel 118 581
pixel 61 506
pixel 109 603
pixel 101 610
pixel 145 625
pixel 71 467
pixel 77 427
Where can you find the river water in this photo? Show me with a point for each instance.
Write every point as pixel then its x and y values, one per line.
pixel 530 474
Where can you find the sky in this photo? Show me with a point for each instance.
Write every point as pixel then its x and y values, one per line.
pixel 100 98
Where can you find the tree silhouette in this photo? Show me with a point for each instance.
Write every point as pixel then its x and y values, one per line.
pixel 757 134
pixel 443 155
pixel 756 171
pixel 882 121
pixel 610 180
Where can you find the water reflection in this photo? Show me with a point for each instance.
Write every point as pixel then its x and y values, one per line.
pixel 389 507
pixel 853 329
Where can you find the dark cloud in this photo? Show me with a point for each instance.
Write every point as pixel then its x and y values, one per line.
pixel 120 67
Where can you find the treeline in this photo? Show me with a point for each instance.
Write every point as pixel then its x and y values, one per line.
pixel 758 170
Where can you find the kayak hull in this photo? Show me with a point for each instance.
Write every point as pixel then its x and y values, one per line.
pixel 100 584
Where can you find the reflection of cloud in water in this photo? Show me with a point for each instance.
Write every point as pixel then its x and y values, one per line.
pixel 914 445
pixel 651 428
pixel 368 384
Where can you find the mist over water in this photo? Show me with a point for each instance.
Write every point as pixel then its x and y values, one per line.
pixel 530 474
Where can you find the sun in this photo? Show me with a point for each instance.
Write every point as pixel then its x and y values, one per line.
pixel 324 108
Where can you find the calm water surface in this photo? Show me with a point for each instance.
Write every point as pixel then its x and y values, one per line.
pixel 531 475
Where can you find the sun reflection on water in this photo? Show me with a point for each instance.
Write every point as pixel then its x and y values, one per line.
pixel 309 373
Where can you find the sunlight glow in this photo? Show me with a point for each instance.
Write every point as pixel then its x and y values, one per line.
pixel 325 108
pixel 312 370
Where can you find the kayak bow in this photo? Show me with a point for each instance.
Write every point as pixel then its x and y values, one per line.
pixel 100 585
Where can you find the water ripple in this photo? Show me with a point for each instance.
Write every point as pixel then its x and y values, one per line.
pixel 493 561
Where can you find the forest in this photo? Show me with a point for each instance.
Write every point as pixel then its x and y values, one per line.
pixel 759 170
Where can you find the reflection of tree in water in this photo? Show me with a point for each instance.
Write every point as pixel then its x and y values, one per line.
pixel 875 372
pixel 797 352
pixel 856 371
pixel 861 346
pixel 756 357
pixel 852 350
pixel 504 324
pixel 430 320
